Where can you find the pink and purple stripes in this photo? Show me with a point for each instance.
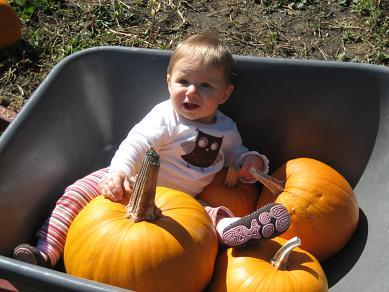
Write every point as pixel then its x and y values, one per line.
pixel 52 235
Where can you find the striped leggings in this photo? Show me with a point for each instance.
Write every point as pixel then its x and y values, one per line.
pixel 52 235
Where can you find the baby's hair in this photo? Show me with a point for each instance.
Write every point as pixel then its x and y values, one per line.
pixel 208 49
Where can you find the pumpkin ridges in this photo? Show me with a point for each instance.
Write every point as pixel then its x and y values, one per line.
pixel 250 274
pixel 268 275
pixel 320 205
pixel 321 229
pixel 105 262
pixel 254 273
pixel 310 177
pixel 92 230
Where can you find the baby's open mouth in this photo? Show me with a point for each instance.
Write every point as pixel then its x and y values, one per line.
pixel 190 106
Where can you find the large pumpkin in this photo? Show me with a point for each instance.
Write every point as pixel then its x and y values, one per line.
pixel 10 29
pixel 322 205
pixel 226 190
pixel 169 245
pixel 273 265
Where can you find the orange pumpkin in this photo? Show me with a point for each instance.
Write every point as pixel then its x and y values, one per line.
pixel 323 207
pixel 10 29
pixel 164 245
pixel 268 266
pixel 226 190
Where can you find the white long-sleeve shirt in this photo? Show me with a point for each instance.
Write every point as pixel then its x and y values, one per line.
pixel 191 153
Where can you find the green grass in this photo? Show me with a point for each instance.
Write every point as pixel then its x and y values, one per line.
pixel 373 14
pixel 29 9
pixel 276 4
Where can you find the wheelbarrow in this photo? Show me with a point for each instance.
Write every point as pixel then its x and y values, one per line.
pixel 335 112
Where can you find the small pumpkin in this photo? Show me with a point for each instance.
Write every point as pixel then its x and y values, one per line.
pixel 226 190
pixel 155 243
pixel 323 207
pixel 272 265
pixel 10 28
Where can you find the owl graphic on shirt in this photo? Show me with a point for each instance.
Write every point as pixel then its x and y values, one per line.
pixel 204 151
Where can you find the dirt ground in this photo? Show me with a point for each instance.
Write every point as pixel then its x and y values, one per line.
pixel 312 33
pixel 324 30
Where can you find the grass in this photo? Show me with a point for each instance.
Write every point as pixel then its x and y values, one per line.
pixel 342 30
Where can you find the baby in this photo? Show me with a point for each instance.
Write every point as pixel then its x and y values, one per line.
pixel 194 140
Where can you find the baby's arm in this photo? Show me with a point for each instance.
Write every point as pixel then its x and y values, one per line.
pixel 124 166
pixel 240 155
pixel 150 132
pixel 248 161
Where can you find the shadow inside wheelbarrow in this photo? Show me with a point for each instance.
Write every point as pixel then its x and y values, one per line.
pixel 339 265
pixel 337 113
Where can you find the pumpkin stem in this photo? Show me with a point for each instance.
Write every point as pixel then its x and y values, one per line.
pixel 280 259
pixel 232 176
pixel 274 185
pixel 141 206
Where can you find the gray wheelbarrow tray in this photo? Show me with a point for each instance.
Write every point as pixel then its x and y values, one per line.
pixel 334 112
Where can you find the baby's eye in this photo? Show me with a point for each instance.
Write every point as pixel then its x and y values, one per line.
pixel 205 85
pixel 183 81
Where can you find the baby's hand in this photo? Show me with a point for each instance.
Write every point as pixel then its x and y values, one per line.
pixel 116 185
pixel 248 162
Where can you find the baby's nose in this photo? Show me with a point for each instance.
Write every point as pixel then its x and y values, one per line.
pixel 192 89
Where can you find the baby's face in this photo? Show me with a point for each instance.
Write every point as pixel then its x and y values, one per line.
pixel 197 90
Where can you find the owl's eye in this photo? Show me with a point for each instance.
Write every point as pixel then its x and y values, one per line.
pixel 202 143
pixel 214 146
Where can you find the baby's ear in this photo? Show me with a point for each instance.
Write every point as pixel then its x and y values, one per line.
pixel 168 81
pixel 227 93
